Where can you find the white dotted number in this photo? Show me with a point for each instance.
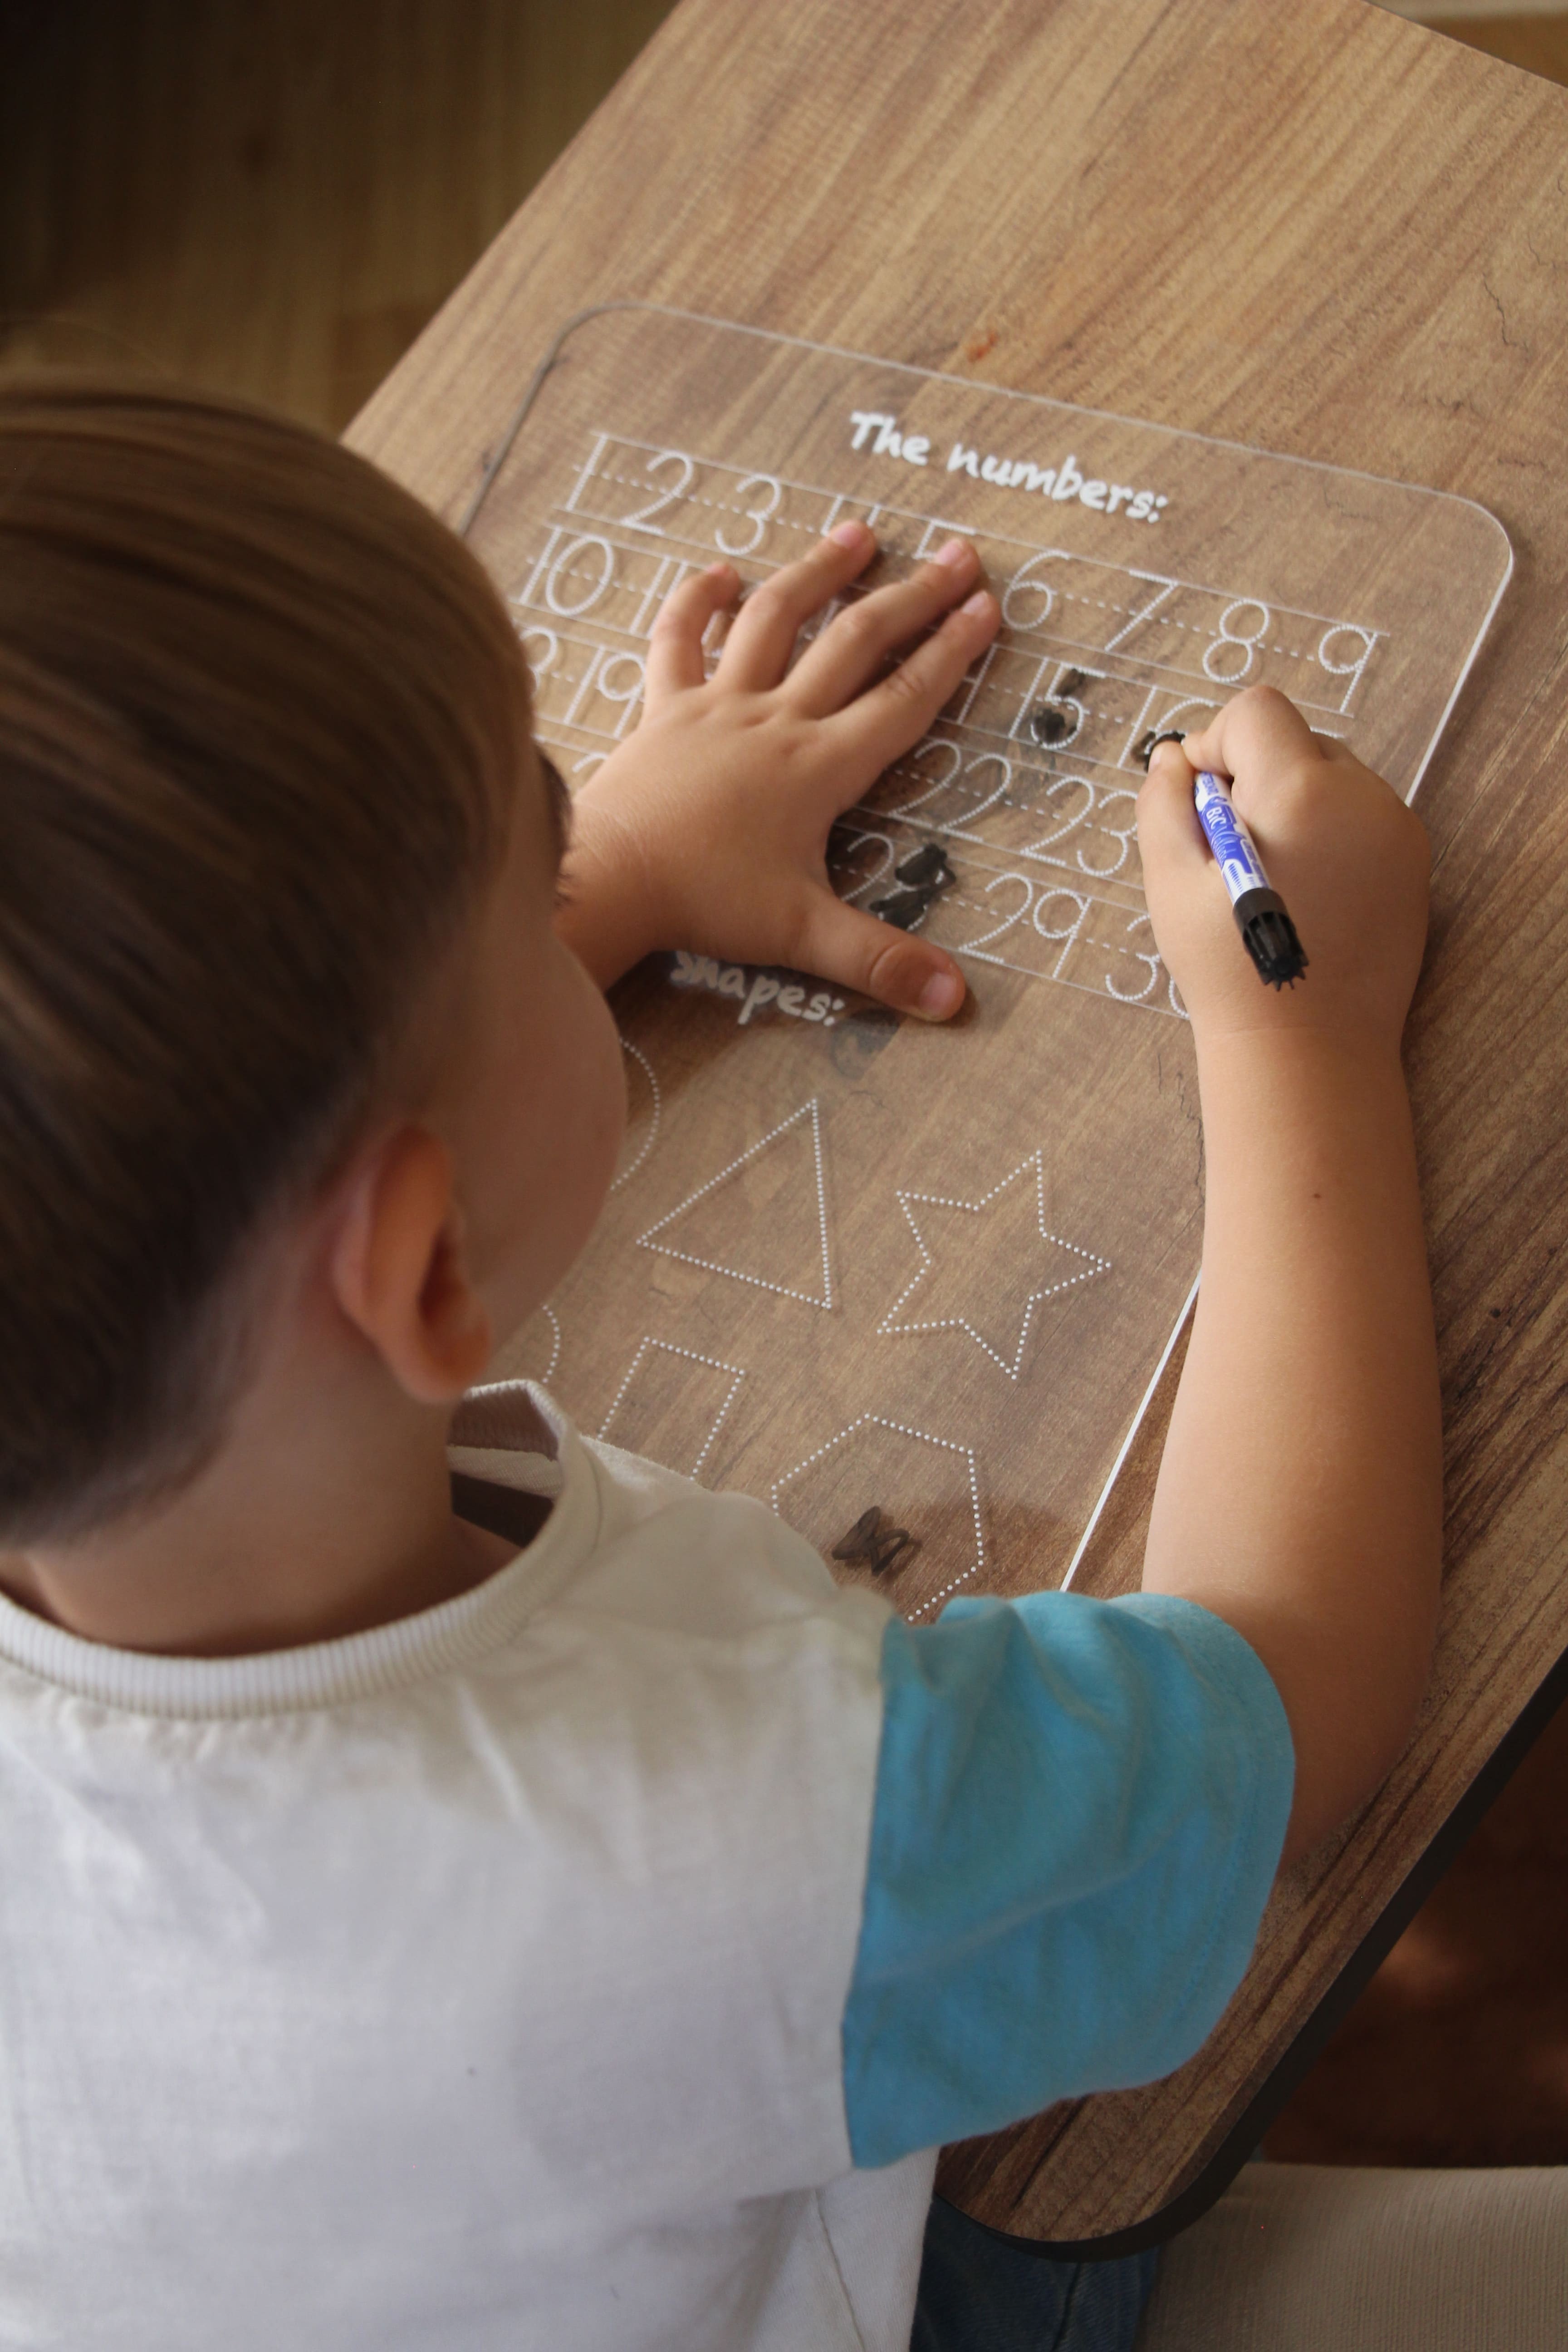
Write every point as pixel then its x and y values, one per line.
pixel 620 681
pixel 1219 659
pixel 588 579
pixel 1122 835
pixel 1343 637
pixel 1028 599
pixel 641 517
pixel 758 515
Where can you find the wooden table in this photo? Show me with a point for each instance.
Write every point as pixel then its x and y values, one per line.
pixel 1325 232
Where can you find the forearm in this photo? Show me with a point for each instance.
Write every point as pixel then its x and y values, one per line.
pixel 1299 1497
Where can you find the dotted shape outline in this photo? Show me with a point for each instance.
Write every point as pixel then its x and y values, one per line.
pixel 890 1326
pixel 692 1357
pixel 554 1322
pixel 638 1056
pixel 902 1428
pixel 710 1266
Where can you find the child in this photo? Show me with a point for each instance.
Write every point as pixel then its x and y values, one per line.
pixel 566 1919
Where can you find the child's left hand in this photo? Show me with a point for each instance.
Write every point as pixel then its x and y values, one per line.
pixel 707 829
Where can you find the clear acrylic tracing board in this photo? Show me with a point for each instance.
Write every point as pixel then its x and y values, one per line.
pixel 909 1285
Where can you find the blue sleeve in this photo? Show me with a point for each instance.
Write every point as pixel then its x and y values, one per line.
pixel 1080 1810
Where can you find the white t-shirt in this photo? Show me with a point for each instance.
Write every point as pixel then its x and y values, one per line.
pixel 472 1983
pixel 531 1975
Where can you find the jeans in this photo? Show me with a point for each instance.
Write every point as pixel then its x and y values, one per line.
pixel 977 2293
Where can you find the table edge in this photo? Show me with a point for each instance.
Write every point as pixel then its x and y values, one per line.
pixel 1240 2142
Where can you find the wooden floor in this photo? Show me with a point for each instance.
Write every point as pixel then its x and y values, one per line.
pixel 271 197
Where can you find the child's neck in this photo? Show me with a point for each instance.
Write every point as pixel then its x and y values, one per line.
pixel 326 1511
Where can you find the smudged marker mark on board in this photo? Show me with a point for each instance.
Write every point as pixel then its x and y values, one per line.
pixel 1050 723
pixel 1148 744
pixel 938 1484
pixel 925 875
pixel 927 864
pixel 1050 726
pixel 860 1037
pixel 870 1544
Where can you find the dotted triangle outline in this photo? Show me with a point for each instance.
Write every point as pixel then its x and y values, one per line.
pixel 710 1266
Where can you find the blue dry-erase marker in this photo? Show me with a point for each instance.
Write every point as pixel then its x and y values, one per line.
pixel 1267 930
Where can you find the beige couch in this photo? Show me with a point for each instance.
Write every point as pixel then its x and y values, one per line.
pixel 1319 2258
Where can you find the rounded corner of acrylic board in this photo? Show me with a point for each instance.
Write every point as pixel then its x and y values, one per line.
pixel 1496 531
pixel 1473 506
pixel 1499 527
pixel 514 425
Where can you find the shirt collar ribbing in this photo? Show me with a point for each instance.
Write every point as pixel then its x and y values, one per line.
pixel 506 1421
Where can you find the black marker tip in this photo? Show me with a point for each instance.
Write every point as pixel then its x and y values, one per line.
pixel 1270 940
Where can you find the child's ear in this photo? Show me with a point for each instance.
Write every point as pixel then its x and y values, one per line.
pixel 398 1272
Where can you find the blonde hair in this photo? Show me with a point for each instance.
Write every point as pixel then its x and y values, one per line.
pixel 261 718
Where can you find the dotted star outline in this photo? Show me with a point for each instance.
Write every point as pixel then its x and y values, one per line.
pixel 892 1326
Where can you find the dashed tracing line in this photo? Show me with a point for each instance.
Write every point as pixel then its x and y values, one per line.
pixel 710 1266
pixel 911 814
pixel 904 514
pixel 902 1428
pixel 1062 595
pixel 1094 1264
pixel 694 498
pixel 691 1357
pixel 1205 677
pixel 641 1058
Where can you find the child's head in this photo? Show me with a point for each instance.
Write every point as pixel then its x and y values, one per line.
pixel 277 860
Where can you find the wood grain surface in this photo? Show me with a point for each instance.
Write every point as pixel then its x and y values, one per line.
pixel 1321 231
pixel 911 1285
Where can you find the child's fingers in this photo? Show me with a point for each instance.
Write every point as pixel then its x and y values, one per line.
pixel 856 950
pixel 675 648
pixel 757 650
pixel 853 648
pixel 1257 733
pixel 890 716
pixel 1169 833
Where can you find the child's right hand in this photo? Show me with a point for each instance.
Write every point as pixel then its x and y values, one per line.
pixel 1345 854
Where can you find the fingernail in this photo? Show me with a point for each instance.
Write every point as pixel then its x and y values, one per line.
pixel 954 552
pixel 979 602
pixel 850 534
pixel 941 997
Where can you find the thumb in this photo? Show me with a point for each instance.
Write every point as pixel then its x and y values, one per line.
pixel 1168 828
pixel 858 951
